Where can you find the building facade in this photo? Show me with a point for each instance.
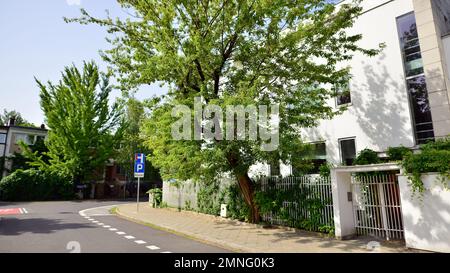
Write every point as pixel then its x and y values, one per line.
pixel 400 97
pixel 10 137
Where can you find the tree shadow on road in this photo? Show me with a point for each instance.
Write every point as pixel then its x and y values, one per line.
pixel 15 226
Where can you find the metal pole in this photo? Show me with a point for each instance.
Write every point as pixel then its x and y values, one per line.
pixel 137 203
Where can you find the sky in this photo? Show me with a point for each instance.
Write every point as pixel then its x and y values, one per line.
pixel 36 42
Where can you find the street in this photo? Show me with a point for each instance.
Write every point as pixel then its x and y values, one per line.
pixel 87 226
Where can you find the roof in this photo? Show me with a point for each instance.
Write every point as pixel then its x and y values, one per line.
pixel 23 127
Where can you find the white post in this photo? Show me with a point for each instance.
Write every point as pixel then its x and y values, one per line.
pixel 137 195
pixel 342 206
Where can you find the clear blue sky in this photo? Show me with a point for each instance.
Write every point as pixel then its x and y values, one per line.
pixel 35 41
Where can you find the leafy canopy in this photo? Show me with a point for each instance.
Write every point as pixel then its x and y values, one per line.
pixel 84 129
pixel 230 52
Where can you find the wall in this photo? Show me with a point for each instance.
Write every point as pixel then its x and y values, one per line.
pixel 427 222
pixel 187 192
pixel 379 116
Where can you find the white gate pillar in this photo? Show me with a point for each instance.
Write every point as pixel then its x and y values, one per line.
pixel 342 205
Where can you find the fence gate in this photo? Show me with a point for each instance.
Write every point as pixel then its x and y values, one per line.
pixel 376 206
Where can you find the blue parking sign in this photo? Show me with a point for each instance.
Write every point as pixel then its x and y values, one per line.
pixel 139 165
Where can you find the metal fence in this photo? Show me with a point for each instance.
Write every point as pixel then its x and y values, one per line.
pixel 313 203
pixel 376 205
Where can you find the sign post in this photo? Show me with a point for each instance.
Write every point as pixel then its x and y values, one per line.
pixel 139 170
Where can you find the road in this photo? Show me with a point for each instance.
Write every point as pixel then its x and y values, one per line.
pixel 73 226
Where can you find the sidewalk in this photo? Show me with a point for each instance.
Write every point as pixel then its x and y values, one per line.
pixel 243 237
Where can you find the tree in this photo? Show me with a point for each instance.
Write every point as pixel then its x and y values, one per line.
pixel 18 119
pixel 83 130
pixel 132 143
pixel 232 52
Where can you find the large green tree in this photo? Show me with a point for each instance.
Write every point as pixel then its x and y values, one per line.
pixel 133 142
pixel 232 52
pixel 84 130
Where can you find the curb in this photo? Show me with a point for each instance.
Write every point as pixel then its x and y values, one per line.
pixel 203 239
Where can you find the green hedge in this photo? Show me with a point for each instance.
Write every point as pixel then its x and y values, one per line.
pixel 35 185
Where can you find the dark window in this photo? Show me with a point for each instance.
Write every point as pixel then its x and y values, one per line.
pixel 311 160
pixel 348 151
pixel 415 80
pixel 275 169
pixel 343 94
pixel 2 138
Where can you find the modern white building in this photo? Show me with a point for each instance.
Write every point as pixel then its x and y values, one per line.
pixel 400 97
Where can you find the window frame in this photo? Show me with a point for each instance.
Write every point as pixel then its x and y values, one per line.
pixel 341 151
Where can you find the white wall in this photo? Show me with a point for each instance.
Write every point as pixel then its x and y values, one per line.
pixel 446 44
pixel 427 221
pixel 379 116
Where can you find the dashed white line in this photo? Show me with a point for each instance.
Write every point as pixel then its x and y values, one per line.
pixel 165 252
pixel 120 232
pixel 24 210
pixel 100 224
pixel 152 247
pixel 140 242
pixel 113 229
pixel 21 211
pixel 106 226
pixel 94 221
pixel 129 237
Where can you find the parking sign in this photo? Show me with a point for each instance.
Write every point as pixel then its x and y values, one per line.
pixel 139 165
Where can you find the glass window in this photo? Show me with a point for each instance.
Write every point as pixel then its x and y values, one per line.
pixel 348 151
pixel 2 138
pixel 275 169
pixel 311 160
pixel 415 80
pixel 343 94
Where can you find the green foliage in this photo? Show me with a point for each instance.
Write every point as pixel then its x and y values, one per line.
pixel 156 194
pixel 325 169
pixel 84 130
pixel 398 153
pixel 35 185
pixel 434 157
pixel 236 206
pixel 132 142
pixel 273 200
pixel 19 120
pixel 231 53
pixel 366 157
pixel 209 197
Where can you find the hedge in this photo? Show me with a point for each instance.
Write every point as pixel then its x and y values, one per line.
pixel 35 185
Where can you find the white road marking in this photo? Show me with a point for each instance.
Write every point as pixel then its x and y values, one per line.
pixel 140 242
pixel 94 221
pixel 113 229
pixel 21 212
pixel 152 247
pixel 120 232
pixel 25 210
pixel 165 252
pixel 86 211
pixel 106 226
pixel 129 237
pixel 100 224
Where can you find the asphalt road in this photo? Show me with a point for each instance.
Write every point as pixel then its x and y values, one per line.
pixel 59 227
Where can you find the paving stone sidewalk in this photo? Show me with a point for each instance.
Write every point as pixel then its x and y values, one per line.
pixel 244 237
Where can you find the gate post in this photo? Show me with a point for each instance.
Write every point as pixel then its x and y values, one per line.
pixel 342 204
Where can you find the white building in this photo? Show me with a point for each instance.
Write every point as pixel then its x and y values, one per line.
pixel 400 97
pixel 11 135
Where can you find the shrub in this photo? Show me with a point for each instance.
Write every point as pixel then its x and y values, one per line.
pixel 434 157
pixel 35 185
pixel 398 153
pixel 366 157
pixel 157 196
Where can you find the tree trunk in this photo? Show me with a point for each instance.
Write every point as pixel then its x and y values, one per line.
pixel 248 191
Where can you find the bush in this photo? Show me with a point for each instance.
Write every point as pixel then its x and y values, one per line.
pixel 434 157
pixel 366 157
pixel 397 153
pixel 157 196
pixel 35 185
